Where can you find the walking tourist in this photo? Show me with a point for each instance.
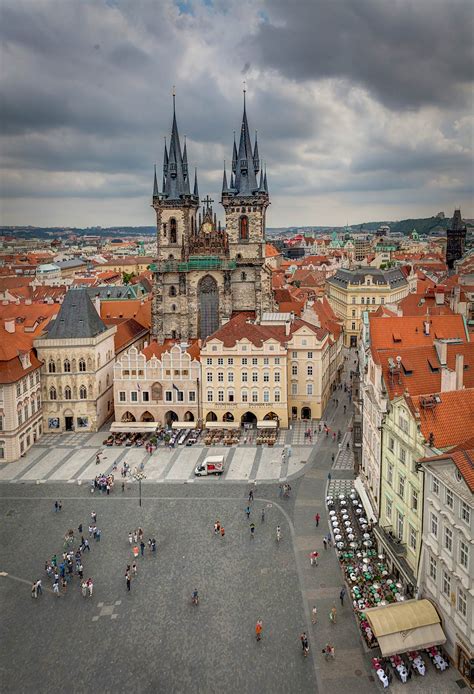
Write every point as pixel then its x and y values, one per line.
pixel 258 629
pixel 314 614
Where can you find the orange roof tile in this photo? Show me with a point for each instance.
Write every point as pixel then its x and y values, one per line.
pixel 448 420
pixel 156 350
pixel 128 330
pixel 271 251
pixel 463 458
pixel 410 329
pixel 139 309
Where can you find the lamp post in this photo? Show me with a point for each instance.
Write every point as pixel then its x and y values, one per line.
pixel 139 476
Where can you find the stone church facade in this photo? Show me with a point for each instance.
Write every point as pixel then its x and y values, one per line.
pixel 203 273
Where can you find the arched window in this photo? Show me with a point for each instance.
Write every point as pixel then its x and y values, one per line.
pixel 67 393
pixel 67 365
pixel 107 380
pixel 172 291
pixel 83 393
pixel 52 367
pixel 173 231
pixel 173 307
pixel 82 364
pixel 244 228
pixel 52 393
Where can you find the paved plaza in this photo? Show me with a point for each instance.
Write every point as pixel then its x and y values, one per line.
pixel 152 638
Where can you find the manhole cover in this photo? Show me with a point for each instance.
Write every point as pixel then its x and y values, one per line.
pixel 358 672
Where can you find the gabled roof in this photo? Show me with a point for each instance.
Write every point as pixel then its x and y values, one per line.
pixel 462 457
pixel 448 420
pixel 128 330
pixel 77 318
pixel 156 350
pixel 411 330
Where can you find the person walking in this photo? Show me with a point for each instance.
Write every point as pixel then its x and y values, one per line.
pixel 90 586
pixel 217 527
pixel 128 580
pixel 123 487
pixel 278 533
pixel 314 614
pixel 34 591
pixel 142 548
pixel 135 536
pixel 341 595
pixel 329 476
pixel 325 543
pixel 56 589
pixel 263 514
pixel 247 511
pixel 93 517
pixel 250 496
pixel 130 538
pixel 98 533
pixel 317 518
pixel 84 589
pixel 60 505
pixel 79 528
pixel 80 571
pixel 304 643
pixel 313 557
pixel 333 615
pixel 153 544
pixel 87 545
pixel 258 629
pixel 134 568
pixel 252 530
pixel 56 506
pixel 222 531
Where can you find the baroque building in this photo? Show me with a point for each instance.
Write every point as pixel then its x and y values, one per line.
pixel 203 273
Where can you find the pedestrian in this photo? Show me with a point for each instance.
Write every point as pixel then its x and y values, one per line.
pixel 333 614
pixel 128 580
pixel 314 614
pixel 280 490
pixel 317 518
pixel 123 486
pixel 97 535
pixel 325 543
pixel 329 476
pixel 39 587
pixel 130 538
pixel 258 629
pixel 84 589
pixel 56 589
pixel 60 505
pixel 56 506
pixel 252 530
pixel 135 536
pixel 247 511
pixel 314 558
pixel 142 548
pixel 341 595
pixel 217 527
pixel 140 534
pixel 222 531
pixel 263 514
pixel 153 544
pixel 329 539
pixel 304 643
pixel 90 586
pixel 79 528
pixel 93 517
pixel 134 568
pixel 250 495
pixel 80 571
pixel 34 591
pixel 87 545
pixel 91 529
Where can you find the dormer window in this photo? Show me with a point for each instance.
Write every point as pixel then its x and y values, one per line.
pixel 244 165
pixel 172 169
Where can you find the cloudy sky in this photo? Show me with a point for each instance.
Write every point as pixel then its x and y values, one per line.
pixel 363 107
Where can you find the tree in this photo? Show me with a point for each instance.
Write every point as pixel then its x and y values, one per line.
pixel 127 277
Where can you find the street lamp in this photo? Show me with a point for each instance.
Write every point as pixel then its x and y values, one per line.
pixel 139 476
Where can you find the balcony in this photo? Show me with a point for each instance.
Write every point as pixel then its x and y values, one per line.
pixel 389 539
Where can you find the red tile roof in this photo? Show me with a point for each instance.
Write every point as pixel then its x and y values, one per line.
pixel 156 350
pixel 463 458
pixel 423 304
pixel 448 420
pixel 128 330
pixel 383 330
pixel 139 309
pixel 271 251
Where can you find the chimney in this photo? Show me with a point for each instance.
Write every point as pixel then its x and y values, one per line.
pixel 97 303
pixel 459 371
pixel 10 325
pixel 287 327
pixel 442 351
pixel 439 298
pixel 426 327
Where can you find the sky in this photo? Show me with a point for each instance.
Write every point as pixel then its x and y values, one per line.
pixel 364 108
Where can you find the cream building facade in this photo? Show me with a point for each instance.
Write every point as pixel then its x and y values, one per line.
pixel 351 292
pixel 78 357
pixel 160 383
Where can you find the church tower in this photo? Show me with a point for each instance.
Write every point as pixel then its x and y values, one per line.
pixel 456 239
pixel 175 209
pixel 245 200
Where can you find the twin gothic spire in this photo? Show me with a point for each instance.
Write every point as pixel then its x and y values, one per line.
pixel 245 167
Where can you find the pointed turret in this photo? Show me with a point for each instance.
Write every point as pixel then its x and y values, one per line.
pixel 265 184
pixel 225 189
pixel 256 161
pixel 245 178
pixel 185 159
pixel 175 165
pixel 232 182
pixel 196 191
pixel 261 187
pixel 234 157
pixel 156 192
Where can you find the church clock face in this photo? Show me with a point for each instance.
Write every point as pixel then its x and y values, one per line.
pixel 207 227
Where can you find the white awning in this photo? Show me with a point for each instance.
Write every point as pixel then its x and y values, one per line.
pixel 183 425
pixel 267 424
pixel 222 425
pixel 407 626
pixel 133 427
pixel 364 497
